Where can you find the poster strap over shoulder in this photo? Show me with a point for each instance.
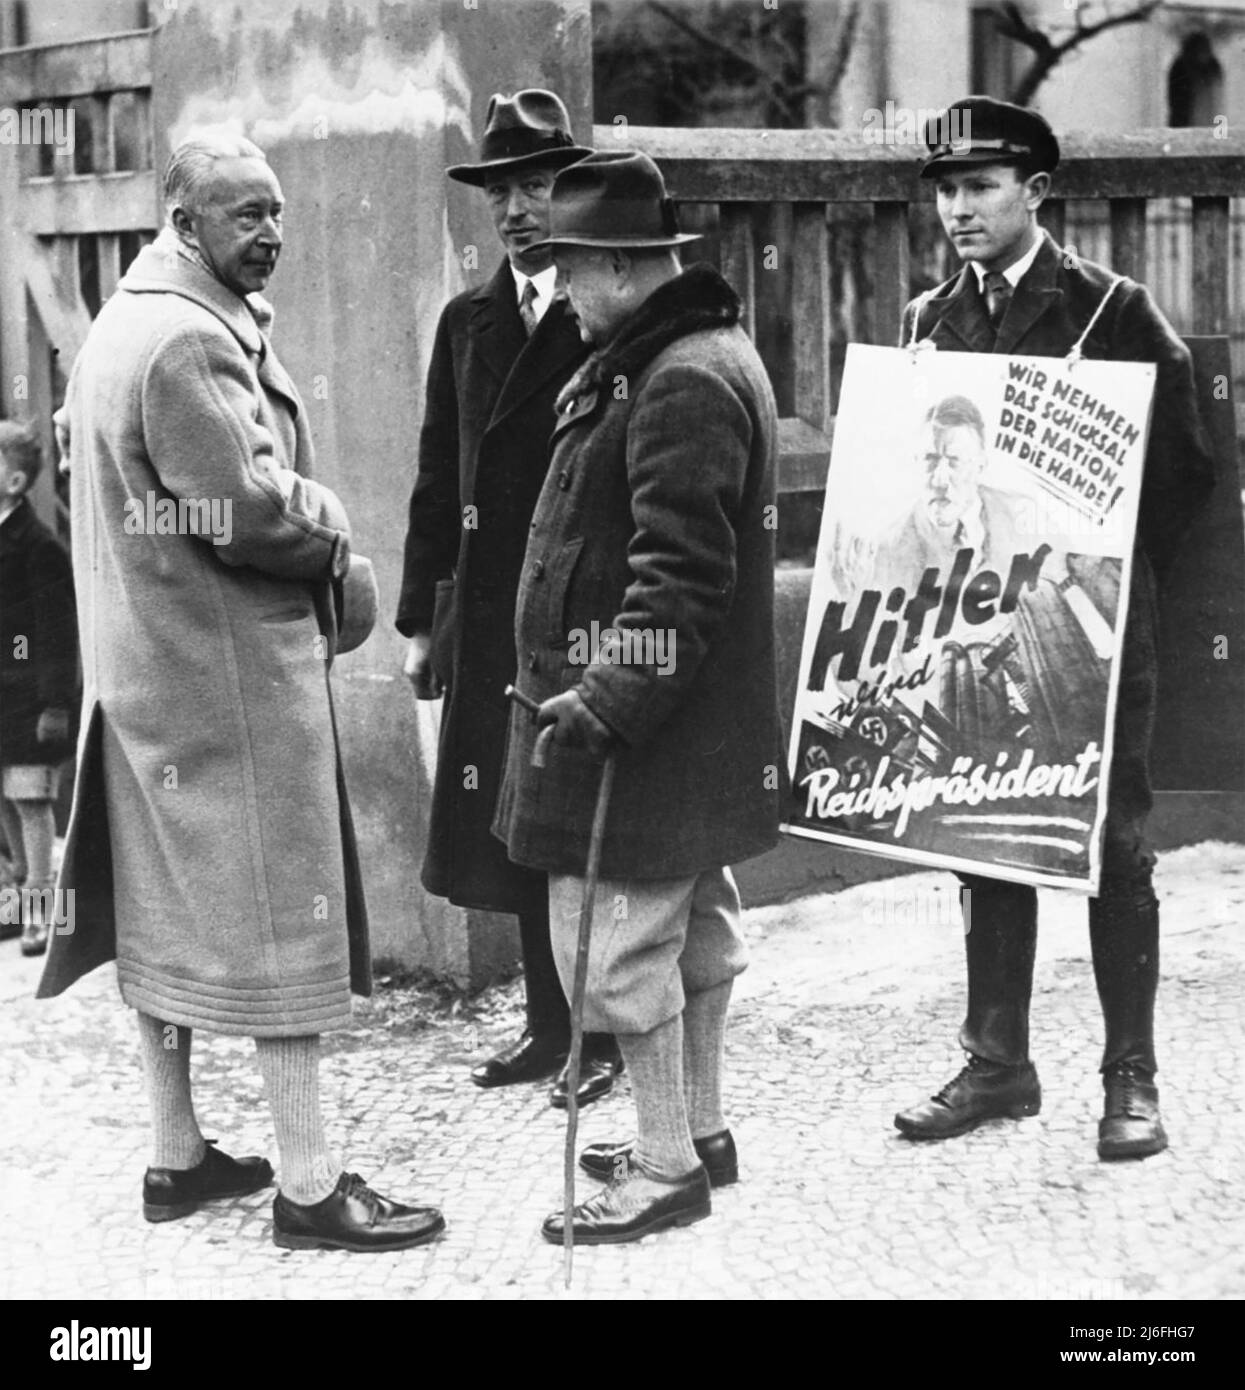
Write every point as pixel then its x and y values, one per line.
pixel 913 345
pixel 1074 355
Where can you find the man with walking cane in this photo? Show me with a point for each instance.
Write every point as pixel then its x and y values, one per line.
pixel 644 629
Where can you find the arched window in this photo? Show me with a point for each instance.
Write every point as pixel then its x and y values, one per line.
pixel 1194 84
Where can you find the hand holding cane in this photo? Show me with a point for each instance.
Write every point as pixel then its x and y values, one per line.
pixel 579 987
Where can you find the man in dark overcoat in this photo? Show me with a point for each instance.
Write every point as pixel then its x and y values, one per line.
pixel 645 626
pixel 502 353
pixel 1020 293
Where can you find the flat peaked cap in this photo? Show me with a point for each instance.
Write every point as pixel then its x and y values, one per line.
pixel 526 130
pixel 613 198
pixel 981 130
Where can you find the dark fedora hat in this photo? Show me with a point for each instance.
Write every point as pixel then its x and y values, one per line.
pixel 528 129
pixel 981 130
pixel 613 198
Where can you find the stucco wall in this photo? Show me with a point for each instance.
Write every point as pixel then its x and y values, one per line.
pixel 360 106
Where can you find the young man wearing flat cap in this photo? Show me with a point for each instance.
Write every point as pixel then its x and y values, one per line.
pixel 653 532
pixel 502 353
pixel 1019 293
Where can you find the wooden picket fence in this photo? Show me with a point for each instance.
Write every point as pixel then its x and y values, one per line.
pixel 1157 205
pixel 76 212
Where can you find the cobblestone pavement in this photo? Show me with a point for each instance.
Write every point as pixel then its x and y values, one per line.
pixel 848 1013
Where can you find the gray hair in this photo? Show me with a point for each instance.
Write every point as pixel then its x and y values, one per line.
pixel 22 451
pixel 190 166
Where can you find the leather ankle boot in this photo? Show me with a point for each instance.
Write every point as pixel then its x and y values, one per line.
pixel 1131 1126
pixel 983 1090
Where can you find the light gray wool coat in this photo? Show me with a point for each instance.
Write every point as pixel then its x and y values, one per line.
pixel 210 847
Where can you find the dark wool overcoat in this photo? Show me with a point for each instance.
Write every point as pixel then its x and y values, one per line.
pixel 1050 308
pixel 210 847
pixel 657 517
pixel 38 638
pixel 483 455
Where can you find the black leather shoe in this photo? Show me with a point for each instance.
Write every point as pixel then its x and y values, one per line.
pixel 601 1063
pixel 982 1091
pixel 1130 1126
pixel 635 1206
pixel 531 1058
pixel 353 1217
pixel 169 1193
pixel 715 1151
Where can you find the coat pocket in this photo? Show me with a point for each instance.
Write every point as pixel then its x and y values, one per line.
pixel 558 582
pixel 443 630
pixel 294 613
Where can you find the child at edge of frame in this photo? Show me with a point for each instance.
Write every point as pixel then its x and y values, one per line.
pixel 38 690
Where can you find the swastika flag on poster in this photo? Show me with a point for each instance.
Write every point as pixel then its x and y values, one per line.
pixel 961 657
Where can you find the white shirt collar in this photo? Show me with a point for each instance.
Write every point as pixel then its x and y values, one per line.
pixel 545 283
pixel 971 529
pixel 1014 272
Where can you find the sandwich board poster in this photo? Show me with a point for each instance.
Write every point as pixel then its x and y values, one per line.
pixel 961 653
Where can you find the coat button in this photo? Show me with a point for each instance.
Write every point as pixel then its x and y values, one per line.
pixel 532 661
pixel 564 479
pixel 538 569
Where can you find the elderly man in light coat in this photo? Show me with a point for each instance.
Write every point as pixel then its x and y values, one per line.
pixel 210 849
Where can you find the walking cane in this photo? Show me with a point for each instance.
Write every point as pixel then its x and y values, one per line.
pixel 582 943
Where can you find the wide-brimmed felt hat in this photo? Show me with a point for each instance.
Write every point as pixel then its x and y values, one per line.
pixel 526 130
pixel 613 198
pixel 358 601
pixel 981 130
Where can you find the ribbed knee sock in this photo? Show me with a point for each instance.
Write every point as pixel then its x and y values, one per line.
pixel 655 1061
pixel 704 1055
pixel 38 837
pixel 12 823
pixel 177 1141
pixel 291 1071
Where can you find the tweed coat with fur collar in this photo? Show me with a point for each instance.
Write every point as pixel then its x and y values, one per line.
pixel 656 521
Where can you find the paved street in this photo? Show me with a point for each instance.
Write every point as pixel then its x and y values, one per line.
pixel 847 1014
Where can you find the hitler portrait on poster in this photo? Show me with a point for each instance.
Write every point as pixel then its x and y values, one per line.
pixel 961 654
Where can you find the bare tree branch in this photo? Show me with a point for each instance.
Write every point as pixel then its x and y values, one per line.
pixel 786 96
pixel 1012 24
pixel 711 40
pixel 842 50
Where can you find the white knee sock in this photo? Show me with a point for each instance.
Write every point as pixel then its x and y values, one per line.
pixel 704 1054
pixel 38 837
pixel 177 1141
pixel 655 1063
pixel 291 1071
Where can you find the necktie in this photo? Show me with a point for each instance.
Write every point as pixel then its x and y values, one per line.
pixel 998 296
pixel 527 308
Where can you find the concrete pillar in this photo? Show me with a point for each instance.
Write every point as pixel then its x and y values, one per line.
pixel 359 109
